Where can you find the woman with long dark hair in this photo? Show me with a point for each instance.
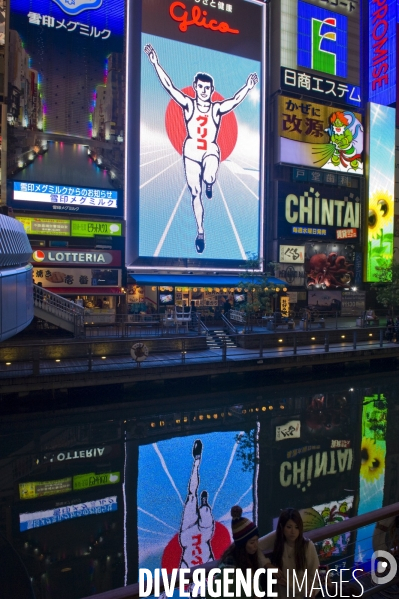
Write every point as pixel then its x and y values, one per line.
pixel 292 552
pixel 243 553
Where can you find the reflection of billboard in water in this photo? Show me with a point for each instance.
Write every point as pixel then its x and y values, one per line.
pixel 66 101
pixel 186 487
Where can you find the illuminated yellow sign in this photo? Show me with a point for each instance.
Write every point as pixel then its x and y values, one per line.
pixel 45 488
pixel 45 226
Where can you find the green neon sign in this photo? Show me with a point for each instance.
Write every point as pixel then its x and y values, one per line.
pixel 88 228
pixel 87 481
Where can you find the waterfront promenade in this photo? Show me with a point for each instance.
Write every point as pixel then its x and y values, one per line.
pixel 63 363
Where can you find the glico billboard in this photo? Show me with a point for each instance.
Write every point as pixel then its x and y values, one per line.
pixel 65 110
pixel 194 174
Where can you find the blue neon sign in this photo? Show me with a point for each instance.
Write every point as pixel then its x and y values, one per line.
pixel 322 40
pixel 382 51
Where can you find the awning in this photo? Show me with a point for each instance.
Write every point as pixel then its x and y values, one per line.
pixel 199 280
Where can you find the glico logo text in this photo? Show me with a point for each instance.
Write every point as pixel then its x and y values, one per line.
pixel 198 18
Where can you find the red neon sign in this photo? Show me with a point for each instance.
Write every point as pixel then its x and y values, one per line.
pixel 198 18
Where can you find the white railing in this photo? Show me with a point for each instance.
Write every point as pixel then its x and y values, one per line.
pixel 60 307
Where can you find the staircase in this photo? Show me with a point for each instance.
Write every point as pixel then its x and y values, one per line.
pixel 59 311
pixel 215 339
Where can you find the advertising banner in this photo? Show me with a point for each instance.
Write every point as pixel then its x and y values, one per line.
pixel 75 228
pixel 381 183
pixel 66 106
pixel 200 187
pixel 329 266
pixel 292 274
pixel 77 257
pixel 382 51
pixel 353 302
pixel 322 88
pixel 292 253
pixel 82 278
pixel 320 136
pixel 316 210
pixel 320 49
pixel 45 488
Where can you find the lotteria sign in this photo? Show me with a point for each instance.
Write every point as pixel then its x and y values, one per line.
pixel 77 257
pixel 316 210
pixel 382 51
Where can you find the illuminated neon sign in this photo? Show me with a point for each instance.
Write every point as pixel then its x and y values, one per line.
pixel 381 184
pixel 382 51
pixel 198 18
pixel 322 40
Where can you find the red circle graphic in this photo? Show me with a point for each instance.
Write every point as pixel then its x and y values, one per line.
pixel 173 552
pixel 177 132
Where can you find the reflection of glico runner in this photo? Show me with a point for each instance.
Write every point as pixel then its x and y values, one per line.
pixel 201 154
pixel 197 524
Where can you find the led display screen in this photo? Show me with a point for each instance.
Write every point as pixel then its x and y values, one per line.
pixel 30 520
pixel 320 136
pixel 382 51
pixel 199 191
pixel 307 209
pixel 322 40
pixel 65 111
pixel 184 504
pixel 329 266
pixel 320 50
pixel 381 183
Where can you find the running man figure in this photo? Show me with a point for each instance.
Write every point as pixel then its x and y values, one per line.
pixel 201 154
pixel 197 523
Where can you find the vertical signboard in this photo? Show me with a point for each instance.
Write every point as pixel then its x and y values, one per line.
pixel 320 49
pixel 199 194
pixel 381 182
pixel 65 109
pixel 382 51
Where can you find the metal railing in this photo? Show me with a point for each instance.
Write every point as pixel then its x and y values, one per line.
pixel 333 530
pixel 113 356
pixel 61 308
pixel 229 324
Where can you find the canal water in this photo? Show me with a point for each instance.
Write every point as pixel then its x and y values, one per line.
pixel 89 496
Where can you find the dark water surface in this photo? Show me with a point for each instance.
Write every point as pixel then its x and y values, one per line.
pixel 144 479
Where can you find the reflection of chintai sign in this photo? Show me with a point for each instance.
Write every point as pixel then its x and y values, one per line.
pixel 74 7
pixel 317 210
pixel 322 40
pixel 325 463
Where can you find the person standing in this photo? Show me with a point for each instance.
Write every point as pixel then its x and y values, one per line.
pixel 243 553
pixel 292 553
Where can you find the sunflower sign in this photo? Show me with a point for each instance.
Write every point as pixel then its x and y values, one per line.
pixel 381 183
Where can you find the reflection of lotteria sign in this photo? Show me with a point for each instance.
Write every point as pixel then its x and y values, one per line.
pixel 382 51
pixel 78 257
pixel 316 210
pixel 322 40
pixel 201 84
